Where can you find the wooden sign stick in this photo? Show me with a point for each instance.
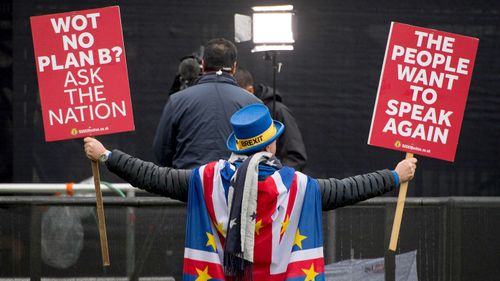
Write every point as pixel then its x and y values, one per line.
pixel 100 214
pixel 398 216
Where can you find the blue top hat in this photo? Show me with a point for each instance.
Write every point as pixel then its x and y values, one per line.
pixel 253 129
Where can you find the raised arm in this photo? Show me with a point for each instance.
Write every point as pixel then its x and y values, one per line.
pixel 164 181
pixel 336 193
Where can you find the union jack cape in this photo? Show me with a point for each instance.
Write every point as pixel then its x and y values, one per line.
pixel 288 228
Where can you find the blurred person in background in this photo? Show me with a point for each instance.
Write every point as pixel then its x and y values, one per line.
pixel 290 146
pixel 188 72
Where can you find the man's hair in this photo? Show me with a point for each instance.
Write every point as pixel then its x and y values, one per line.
pixel 243 77
pixel 220 54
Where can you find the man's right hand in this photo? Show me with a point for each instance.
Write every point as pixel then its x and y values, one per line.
pixel 93 148
pixel 406 169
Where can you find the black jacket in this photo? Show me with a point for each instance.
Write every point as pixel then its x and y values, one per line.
pixel 290 147
pixel 174 183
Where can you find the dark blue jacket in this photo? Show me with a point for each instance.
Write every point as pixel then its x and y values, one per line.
pixel 194 126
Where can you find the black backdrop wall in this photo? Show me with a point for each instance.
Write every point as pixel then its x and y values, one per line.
pixel 329 81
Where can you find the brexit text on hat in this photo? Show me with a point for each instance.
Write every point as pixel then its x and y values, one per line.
pixel 266 135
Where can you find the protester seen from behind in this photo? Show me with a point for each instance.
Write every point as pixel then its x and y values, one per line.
pixel 249 216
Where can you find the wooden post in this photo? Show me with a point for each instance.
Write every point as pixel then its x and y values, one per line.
pixel 398 216
pixel 100 214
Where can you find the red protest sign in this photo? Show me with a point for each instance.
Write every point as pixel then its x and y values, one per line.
pixel 82 73
pixel 423 91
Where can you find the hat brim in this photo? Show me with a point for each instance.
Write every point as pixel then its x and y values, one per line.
pixel 231 141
